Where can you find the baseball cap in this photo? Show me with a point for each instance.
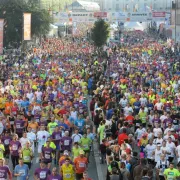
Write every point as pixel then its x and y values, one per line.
pixel 81 152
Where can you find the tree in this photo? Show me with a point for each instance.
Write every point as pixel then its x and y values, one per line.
pixel 100 33
pixel 12 13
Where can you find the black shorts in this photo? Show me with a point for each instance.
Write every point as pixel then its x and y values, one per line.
pixel 86 151
pixel 47 161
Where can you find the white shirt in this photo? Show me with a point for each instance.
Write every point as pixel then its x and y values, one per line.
pixel 38 95
pixel 156 131
pixel 158 141
pixel 76 137
pixel 1 127
pixel 164 164
pixel 127 110
pixel 149 150
pixel 168 129
pixel 42 137
pixel 23 141
pixel 158 106
pixel 165 150
pixel 143 101
pixel 162 118
pixel 30 96
pixel 140 132
pixel 166 137
pixel 157 155
pixel 171 147
pixel 123 102
pixel 32 137
pixel 178 150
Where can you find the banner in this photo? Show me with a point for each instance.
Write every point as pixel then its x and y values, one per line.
pixel 100 14
pixel 1 35
pixel 139 16
pixel 159 14
pixel 27 26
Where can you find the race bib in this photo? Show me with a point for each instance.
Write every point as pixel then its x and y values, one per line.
pixel 22 172
pixel 2 175
pixel 85 146
pixel 26 158
pixel 6 142
pixel 42 174
pixel 79 123
pixel 47 156
pixel 14 147
pixel 66 142
pixel 18 126
pixel 57 137
pixel 81 165
pixel 68 176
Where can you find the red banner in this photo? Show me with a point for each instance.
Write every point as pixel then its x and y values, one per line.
pixel 100 14
pixel 159 14
pixel 1 35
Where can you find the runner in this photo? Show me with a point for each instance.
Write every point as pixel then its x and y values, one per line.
pixel 67 170
pixel 80 164
pixel 21 171
pixel 42 173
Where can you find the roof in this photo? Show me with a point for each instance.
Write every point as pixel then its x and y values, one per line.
pixel 85 5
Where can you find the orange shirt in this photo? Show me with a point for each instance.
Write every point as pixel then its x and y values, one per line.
pixel 80 164
pixel 8 106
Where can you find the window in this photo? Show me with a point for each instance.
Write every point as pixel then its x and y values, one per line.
pixel 117 6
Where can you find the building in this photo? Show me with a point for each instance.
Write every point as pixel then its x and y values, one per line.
pixel 177 20
pixel 136 5
pixel 84 6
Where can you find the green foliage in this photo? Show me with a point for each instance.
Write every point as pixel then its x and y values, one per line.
pixel 12 12
pixel 100 32
pixel 55 5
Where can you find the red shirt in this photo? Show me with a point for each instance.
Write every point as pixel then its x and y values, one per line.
pixel 121 138
pixel 130 119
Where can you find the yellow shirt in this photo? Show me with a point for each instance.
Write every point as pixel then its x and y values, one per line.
pixel 2 102
pixel 68 172
pixel 2 149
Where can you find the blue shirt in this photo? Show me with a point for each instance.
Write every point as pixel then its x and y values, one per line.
pixel 79 123
pixel 65 126
pixel 23 170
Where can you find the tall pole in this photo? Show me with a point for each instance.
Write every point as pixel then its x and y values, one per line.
pixel 175 18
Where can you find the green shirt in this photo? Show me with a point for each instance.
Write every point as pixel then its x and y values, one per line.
pixel 51 127
pixel 142 116
pixel 85 142
pixel 75 152
pixel 2 149
pixel 27 154
pixel 101 132
pixel 171 174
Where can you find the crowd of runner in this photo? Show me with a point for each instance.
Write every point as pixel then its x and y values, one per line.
pixel 133 112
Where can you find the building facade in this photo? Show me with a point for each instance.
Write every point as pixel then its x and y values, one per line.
pixel 136 5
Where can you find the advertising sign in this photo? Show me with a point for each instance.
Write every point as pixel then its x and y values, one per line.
pixel 139 16
pixel 118 16
pixel 27 26
pixel 100 14
pixel 1 35
pixel 159 14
